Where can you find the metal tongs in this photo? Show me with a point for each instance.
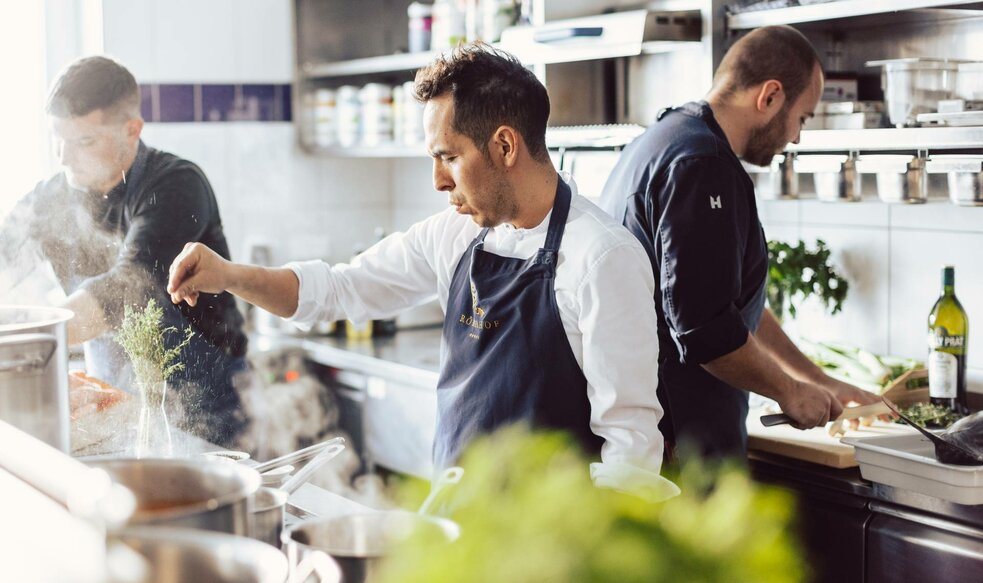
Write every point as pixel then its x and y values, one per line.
pixel 298 456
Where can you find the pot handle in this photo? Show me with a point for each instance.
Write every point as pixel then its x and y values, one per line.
pixel 298 479
pixel 316 563
pixel 448 477
pixel 22 353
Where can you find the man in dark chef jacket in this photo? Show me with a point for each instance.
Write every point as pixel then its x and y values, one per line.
pixel 681 189
pixel 546 298
pixel 110 223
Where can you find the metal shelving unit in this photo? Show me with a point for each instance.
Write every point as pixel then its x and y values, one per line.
pixel 838 9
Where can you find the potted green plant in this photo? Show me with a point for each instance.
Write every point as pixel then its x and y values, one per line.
pixel 144 338
pixel 528 512
pixel 796 273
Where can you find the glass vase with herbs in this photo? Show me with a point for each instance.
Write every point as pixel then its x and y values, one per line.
pixel 145 339
pixel 796 273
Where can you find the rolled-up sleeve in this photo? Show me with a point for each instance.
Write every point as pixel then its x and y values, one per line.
pixel 701 239
pixel 620 362
pixel 392 275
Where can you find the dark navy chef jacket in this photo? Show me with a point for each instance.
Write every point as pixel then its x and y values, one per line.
pixel 683 192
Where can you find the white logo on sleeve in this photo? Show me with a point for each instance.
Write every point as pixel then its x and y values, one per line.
pixel 715 202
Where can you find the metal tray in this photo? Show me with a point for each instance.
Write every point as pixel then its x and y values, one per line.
pixel 908 462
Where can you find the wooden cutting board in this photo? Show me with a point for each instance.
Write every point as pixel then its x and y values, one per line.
pixel 812 445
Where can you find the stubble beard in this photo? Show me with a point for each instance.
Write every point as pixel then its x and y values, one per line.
pixel 765 142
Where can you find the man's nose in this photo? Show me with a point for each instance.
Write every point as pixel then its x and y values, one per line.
pixel 441 179
pixel 65 153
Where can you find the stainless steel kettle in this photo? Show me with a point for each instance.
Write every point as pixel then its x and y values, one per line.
pixel 34 372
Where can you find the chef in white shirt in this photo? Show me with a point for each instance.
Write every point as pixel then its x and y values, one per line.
pixel 548 302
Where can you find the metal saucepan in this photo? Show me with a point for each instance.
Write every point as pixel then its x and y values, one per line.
pixel 269 504
pixel 204 494
pixel 177 555
pixel 34 372
pixel 357 542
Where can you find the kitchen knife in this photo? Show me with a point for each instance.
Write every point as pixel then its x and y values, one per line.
pixel 871 410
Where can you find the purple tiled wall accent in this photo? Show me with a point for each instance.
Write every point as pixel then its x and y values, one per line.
pixel 215 103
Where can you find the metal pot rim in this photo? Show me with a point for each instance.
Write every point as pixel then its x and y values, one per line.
pixel 450 528
pixel 212 543
pixel 47 316
pixel 249 475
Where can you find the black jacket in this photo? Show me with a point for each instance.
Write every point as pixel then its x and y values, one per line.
pixel 684 194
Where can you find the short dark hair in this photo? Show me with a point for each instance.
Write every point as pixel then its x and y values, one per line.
pixel 491 88
pixel 95 83
pixel 772 52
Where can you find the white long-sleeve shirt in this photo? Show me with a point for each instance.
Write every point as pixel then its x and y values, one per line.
pixel 605 292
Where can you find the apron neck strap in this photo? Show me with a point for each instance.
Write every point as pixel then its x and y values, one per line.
pixel 558 220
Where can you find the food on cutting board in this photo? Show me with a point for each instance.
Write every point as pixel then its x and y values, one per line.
pixel 87 394
pixel 865 370
pixel 930 416
pixel 859 367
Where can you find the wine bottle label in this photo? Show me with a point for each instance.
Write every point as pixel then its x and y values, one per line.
pixel 939 339
pixel 942 373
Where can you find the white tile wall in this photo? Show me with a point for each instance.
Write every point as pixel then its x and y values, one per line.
pixel 892 256
pixel 188 41
pixel 414 197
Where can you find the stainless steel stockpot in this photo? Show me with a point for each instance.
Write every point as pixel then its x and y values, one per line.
pixel 190 493
pixel 176 555
pixel 358 542
pixel 34 372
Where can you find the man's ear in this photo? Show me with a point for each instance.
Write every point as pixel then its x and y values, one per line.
pixel 504 145
pixel 770 97
pixel 133 128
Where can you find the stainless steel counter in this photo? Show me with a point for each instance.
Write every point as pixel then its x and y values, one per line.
pixel 411 356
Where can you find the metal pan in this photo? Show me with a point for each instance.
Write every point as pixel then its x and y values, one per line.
pixel 269 504
pixel 174 555
pixel 357 542
pixel 205 494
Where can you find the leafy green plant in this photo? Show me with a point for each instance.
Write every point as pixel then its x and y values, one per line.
pixel 795 273
pixel 143 337
pixel 528 512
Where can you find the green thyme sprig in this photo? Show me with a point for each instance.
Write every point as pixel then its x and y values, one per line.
pixel 142 336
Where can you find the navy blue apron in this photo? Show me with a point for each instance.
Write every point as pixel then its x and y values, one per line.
pixel 506 356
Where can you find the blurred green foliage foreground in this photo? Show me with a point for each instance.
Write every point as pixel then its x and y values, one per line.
pixel 528 512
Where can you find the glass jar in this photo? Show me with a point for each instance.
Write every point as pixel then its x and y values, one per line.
pixel 421 19
pixel 153 430
pixel 325 110
pixel 377 114
pixel 411 115
pixel 348 117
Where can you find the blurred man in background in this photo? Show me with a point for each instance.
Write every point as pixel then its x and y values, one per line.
pixel 109 224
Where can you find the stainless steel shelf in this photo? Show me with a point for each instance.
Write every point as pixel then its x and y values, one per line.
pixel 940 138
pixel 370 65
pixel 623 34
pixel 834 10
pixel 412 61
pixel 381 151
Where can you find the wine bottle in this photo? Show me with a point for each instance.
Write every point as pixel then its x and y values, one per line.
pixel 948 330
